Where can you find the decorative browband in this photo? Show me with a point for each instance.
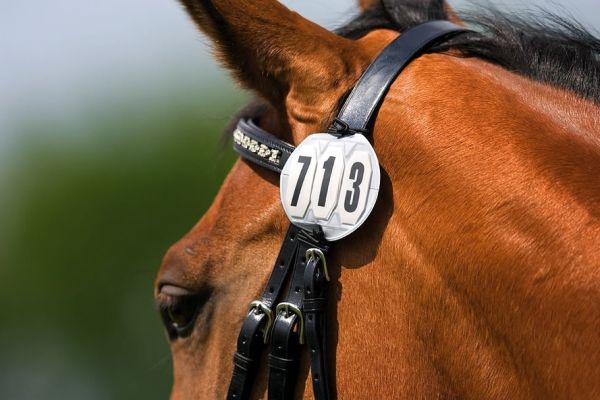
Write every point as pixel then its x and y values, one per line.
pixel 259 146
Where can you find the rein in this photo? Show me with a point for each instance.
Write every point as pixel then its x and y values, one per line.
pixel 287 323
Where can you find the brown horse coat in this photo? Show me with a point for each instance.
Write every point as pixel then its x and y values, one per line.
pixel 478 274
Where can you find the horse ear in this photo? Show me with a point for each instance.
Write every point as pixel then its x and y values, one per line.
pixel 366 4
pixel 274 50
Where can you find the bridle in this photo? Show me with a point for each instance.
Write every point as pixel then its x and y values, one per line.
pixel 298 319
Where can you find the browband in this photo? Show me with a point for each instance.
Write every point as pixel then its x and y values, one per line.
pixel 259 146
pixel 262 148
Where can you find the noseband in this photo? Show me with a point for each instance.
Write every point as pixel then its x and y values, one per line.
pixel 299 319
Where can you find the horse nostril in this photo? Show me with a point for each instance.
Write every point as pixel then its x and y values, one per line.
pixel 179 308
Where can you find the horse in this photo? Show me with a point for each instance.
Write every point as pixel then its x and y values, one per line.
pixel 478 273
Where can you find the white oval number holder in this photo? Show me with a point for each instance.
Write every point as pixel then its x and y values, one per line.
pixel 331 182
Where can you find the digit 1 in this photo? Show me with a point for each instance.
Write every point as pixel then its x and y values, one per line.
pixel 328 167
pixel 305 161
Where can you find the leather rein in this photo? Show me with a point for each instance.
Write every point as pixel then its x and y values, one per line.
pixel 291 321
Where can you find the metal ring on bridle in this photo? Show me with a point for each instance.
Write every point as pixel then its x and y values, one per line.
pixel 316 253
pixel 260 307
pixel 293 309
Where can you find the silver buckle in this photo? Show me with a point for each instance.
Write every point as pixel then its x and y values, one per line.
pixel 290 308
pixel 311 254
pixel 259 307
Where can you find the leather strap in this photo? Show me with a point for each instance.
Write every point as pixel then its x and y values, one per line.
pixel 259 146
pixel 255 329
pixel 288 329
pixel 368 94
pixel 315 307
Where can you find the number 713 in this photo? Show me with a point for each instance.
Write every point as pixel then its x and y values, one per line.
pixel 331 183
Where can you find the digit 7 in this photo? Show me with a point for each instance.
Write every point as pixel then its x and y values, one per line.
pixel 305 161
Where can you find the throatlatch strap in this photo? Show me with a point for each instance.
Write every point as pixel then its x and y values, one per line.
pixel 255 329
pixel 364 100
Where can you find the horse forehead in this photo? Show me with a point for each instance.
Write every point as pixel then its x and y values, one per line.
pixel 245 204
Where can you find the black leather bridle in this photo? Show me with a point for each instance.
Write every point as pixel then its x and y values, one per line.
pixel 299 319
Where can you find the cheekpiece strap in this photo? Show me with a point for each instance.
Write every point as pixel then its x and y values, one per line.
pixel 259 146
pixel 256 328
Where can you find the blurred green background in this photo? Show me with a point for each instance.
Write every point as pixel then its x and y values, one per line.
pixel 84 225
pixel 110 121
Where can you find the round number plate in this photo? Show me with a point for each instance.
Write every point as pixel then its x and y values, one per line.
pixel 332 182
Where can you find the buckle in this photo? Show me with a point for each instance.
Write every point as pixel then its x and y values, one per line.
pixel 312 254
pixel 290 308
pixel 258 307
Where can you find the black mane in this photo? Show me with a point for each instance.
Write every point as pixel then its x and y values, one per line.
pixel 542 46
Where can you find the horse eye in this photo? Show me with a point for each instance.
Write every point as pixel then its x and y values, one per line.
pixel 179 308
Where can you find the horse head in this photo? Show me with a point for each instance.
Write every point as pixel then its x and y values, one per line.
pixel 477 273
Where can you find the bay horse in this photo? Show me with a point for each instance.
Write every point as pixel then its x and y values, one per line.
pixel 478 273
